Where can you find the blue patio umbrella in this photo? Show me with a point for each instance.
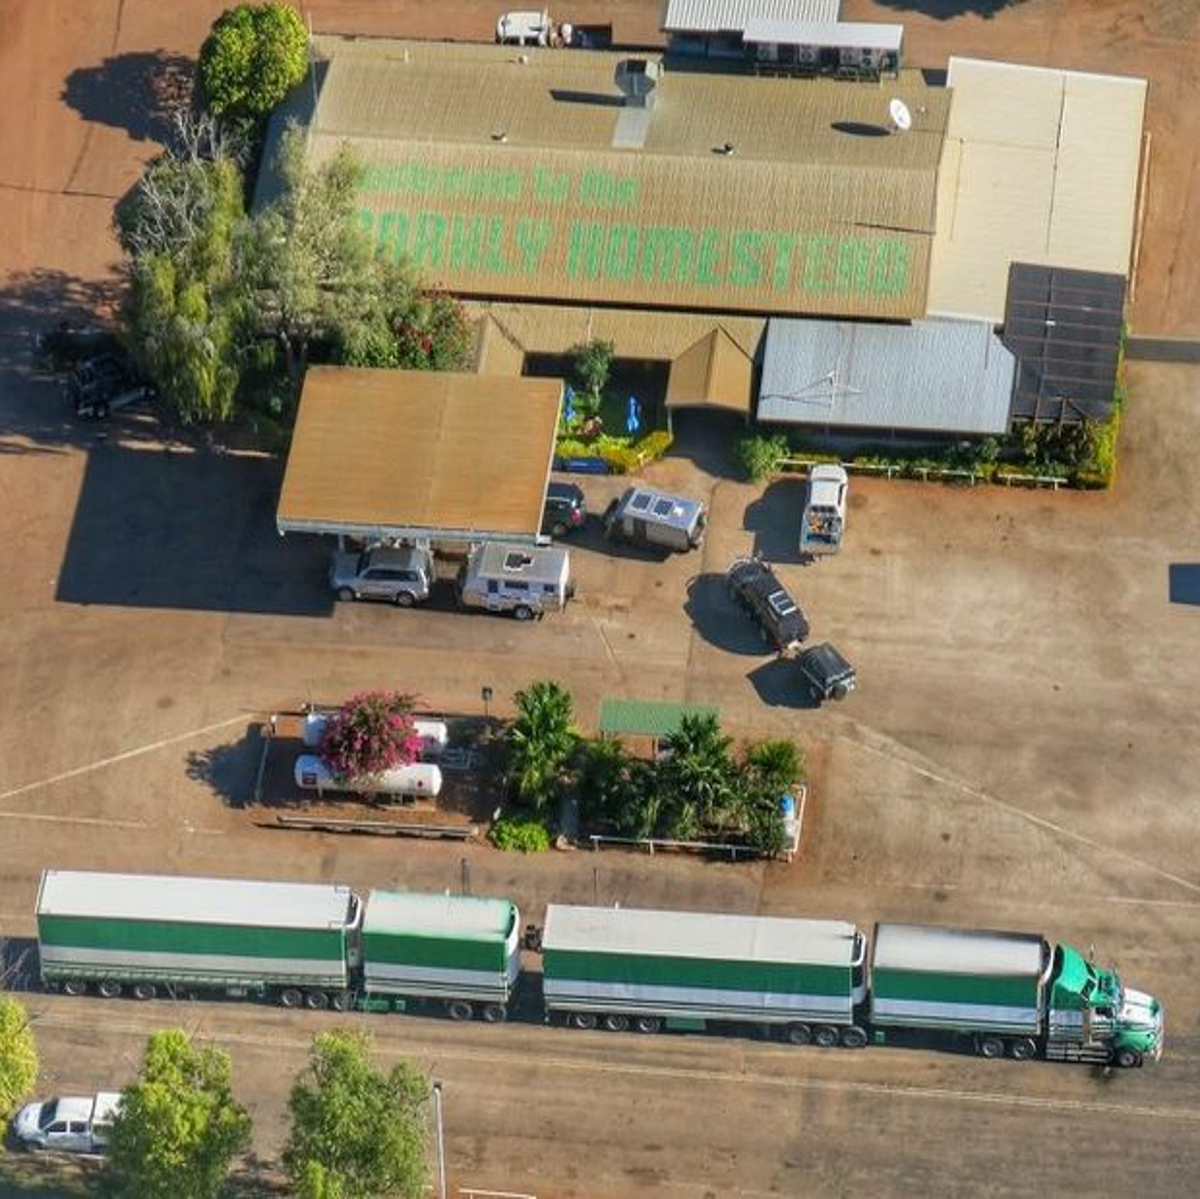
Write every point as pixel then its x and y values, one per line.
pixel 633 418
pixel 569 403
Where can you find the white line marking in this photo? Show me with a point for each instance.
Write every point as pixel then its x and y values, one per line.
pixel 121 757
pixel 46 818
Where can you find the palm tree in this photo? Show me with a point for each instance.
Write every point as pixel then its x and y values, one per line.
pixel 541 742
pixel 697 777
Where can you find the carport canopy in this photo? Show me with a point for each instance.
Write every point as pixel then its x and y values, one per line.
pixel 420 456
pixel 645 718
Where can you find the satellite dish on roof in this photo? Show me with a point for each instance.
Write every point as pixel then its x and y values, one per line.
pixel 901 117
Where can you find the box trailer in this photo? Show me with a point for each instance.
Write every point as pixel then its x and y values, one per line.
pixel 627 967
pixel 462 950
pixel 147 934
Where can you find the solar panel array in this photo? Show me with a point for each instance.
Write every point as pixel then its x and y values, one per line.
pixel 1064 328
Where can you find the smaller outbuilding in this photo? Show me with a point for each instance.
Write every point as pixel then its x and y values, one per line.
pixel 420 456
pixel 927 379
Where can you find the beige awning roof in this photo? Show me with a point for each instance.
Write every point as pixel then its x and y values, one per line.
pixel 390 454
pixel 496 353
pixel 714 372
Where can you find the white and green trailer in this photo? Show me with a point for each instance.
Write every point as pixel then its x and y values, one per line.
pixel 461 950
pixel 165 934
pixel 630 968
pixel 1010 992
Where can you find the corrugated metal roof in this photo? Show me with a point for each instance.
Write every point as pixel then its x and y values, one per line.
pixel 645 718
pixel 853 34
pixel 463 916
pixel 499 179
pixel 714 372
pixel 421 451
pixel 930 376
pixel 957 950
pixel 1038 166
pixel 100 896
pixel 700 935
pixel 731 16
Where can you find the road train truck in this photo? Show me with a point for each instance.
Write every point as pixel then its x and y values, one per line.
pixel 1012 992
pixel 318 945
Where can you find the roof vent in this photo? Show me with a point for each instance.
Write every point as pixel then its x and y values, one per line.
pixel 637 81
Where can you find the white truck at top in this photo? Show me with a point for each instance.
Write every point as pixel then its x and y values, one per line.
pixel 824 517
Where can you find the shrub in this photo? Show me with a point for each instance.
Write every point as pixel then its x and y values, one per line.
pixel 370 733
pixel 654 445
pixel 593 364
pixel 520 834
pixel 760 456
pixel 254 56
pixel 621 459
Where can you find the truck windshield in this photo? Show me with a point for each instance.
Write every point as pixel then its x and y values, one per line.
pixel 49 1111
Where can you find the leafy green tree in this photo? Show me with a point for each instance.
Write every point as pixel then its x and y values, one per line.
pixel 18 1056
pixel 541 743
pixel 308 269
pixel 778 764
pixel 356 1131
pixel 181 314
pixel 254 56
pixel 179 1127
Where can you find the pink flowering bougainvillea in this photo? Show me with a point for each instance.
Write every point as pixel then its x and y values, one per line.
pixel 370 733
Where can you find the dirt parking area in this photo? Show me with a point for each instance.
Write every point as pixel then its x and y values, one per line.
pixel 1020 752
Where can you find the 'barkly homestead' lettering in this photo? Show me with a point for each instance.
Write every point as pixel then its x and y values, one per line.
pixel 626 253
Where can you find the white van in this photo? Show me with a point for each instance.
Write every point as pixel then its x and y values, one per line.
pixel 524 580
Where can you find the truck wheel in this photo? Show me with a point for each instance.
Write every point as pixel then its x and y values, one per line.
pixel 405 599
pixel 989 1046
pixel 494 1013
pixel 109 988
pixel 74 986
pixel 316 1001
pixel 616 1022
pixel 854 1037
pixel 647 1024
pixel 1126 1058
pixel 459 1009
pixel 145 991
pixel 584 1020
pixel 523 612
pixel 825 1036
pixel 340 1002
pixel 290 997
pixel 1023 1048
pixel 799 1034
pixel 345 594
pixel 840 691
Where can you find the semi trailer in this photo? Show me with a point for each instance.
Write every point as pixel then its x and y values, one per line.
pixel 292 943
pixel 619 968
pixel 625 967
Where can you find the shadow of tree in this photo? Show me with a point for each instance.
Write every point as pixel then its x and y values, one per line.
pixel 136 92
pixel 229 770
pixel 947 10
pixel 31 301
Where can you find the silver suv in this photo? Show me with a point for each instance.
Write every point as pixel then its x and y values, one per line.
pixel 401 576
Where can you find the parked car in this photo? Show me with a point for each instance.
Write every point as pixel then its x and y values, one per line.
pixel 653 518
pixel 827 673
pixel 67 1124
pixel 755 588
pixel 520 579
pixel 63 345
pixel 402 576
pixel 565 510
pixel 105 383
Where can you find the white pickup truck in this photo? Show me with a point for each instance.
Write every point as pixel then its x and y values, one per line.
pixel 824 517
pixel 68 1124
